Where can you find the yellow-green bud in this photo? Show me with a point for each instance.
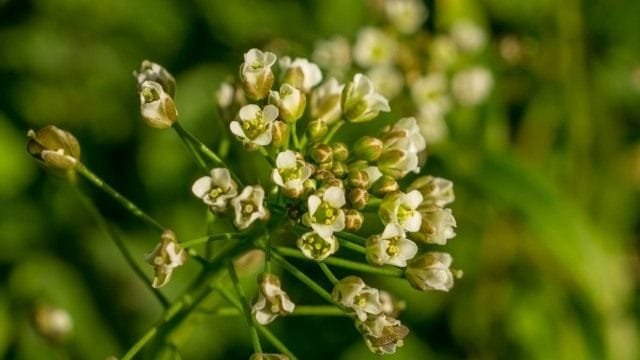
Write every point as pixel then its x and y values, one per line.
pixel 340 151
pixel 368 148
pixel 317 130
pixel 279 133
pixel 358 198
pixel 326 166
pixel 323 174
pixel 353 220
pixel 322 153
pixel 339 168
pixel 385 185
pixel 359 179
pixel 54 147
pixel 358 165
pixel 309 186
pixel 333 182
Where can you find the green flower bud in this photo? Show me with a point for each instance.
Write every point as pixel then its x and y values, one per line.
pixel 360 101
pixel 340 151
pixel 358 165
pixel 358 198
pixel 279 133
pixel 333 182
pixel 309 186
pixel 353 220
pixel 385 185
pixel 324 175
pixel 322 153
pixel 368 148
pixel 290 101
pixel 339 168
pixel 54 147
pixel 359 179
pixel 392 162
pixel 317 130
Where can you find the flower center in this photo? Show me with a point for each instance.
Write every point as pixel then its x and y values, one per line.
pixel 291 173
pixel 325 214
pixel 254 127
pixel 394 248
pixel 360 300
pixel 404 213
pixel 248 208
pixel 215 192
pixel 316 245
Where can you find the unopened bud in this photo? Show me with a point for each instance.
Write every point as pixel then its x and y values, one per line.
pixel 393 163
pixel 358 165
pixel 290 101
pixel 52 323
pixel 385 185
pixel 294 77
pixel 434 190
pixel 279 133
pixel 340 151
pixel 358 198
pixel 359 179
pixel 317 130
pixel 333 182
pixel 54 147
pixel 353 220
pixel 150 71
pixel 368 148
pixel 431 271
pixel 156 106
pixel 339 168
pixel 322 153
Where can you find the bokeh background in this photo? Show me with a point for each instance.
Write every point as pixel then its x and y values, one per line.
pixel 547 179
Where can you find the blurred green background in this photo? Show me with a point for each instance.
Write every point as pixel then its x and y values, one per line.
pixel 547 178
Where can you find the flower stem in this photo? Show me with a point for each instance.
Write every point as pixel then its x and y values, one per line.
pixel 301 276
pixel 351 246
pixel 266 155
pixel 135 210
pixel 192 149
pixel 300 310
pixel 333 131
pixel 294 134
pixel 351 237
pixel 246 308
pixel 325 269
pixel 209 238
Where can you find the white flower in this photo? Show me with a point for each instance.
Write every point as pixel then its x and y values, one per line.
pixel 435 190
pixel 254 124
pixel 272 301
pixel 333 54
pixel 316 247
pixel 325 214
pixel 216 190
pixel 443 52
pixel 249 207
pixel 469 37
pixel 291 172
pixel 290 102
pixel 165 257
pixel 431 90
pixel 374 47
pixel 402 144
pixel 391 247
pixel 361 102
pixel 383 334
pixel 471 87
pixel 387 79
pixel 408 128
pixel 256 74
pixel 357 298
pixel 406 15
pixel 325 101
pixel 301 73
pixel 431 271
pixel 432 123
pixel 156 106
pixel 437 225
pixel 150 71
pixel 402 209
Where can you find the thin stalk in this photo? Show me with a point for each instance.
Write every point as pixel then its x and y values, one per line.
pixel 210 238
pixel 246 308
pixel 126 203
pixel 302 276
pixel 333 131
pixel 300 310
pixel 352 246
pixel 267 253
pixel 327 272
pixel 346 264
pixel 115 237
pixel 294 134
pixel 266 156
pixel 351 237
pixel 192 149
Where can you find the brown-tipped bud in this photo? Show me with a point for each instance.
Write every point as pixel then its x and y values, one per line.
pixel 333 182
pixel 358 198
pixel 279 133
pixel 339 168
pixel 322 153
pixel 324 175
pixel 358 165
pixel 385 185
pixel 256 75
pixel 52 323
pixel 290 101
pixel 368 148
pixel 353 220
pixel 326 166
pixel 54 147
pixel 150 71
pixel 359 179
pixel 317 130
pixel 340 151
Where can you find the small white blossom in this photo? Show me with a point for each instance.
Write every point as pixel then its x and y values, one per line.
pixel 408 128
pixel 435 190
pixel 431 90
pixel 406 15
pixel 165 257
pixel 361 102
pixel 402 209
pixel 316 247
pixel 443 52
pixel 431 271
pixel 357 298
pixel 249 207
pixel 156 106
pixel 291 172
pixel 254 124
pixel 469 37
pixel 272 300
pixel 216 190
pixel 290 101
pixel 325 214
pixel 387 79
pixel 432 123
pixel 472 86
pixel 325 102
pixel 383 334
pixel 402 144
pixel 374 47
pixel 391 247
pixel 333 54
pixel 301 73
pixel 437 225
pixel 55 147
pixel 256 74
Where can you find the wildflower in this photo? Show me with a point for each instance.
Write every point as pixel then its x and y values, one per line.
pixel 333 54
pixel 54 147
pixel 290 102
pixel 156 106
pixel 402 209
pixel 469 37
pixel 443 52
pixel 272 300
pixel 291 172
pixel 402 143
pixel 254 124
pixel 325 214
pixel 391 247
pixel 361 102
pixel 432 123
pixel 437 225
pixel 434 190
pixel 387 79
pixel 374 47
pixel 249 207
pixel 472 86
pixel 405 128
pixel 256 74
pixel 165 257
pixel 406 15
pixel 300 73
pixel 150 71
pixel 325 101
pixel 216 190
pixel 316 247
pixel 431 90
pixel 431 271
pixel 383 334
pixel 357 298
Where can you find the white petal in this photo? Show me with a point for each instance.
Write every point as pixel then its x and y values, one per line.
pixel 263 317
pixel 408 249
pixel 236 129
pixel 249 112
pixel 221 177
pixel 324 231
pixel 413 199
pixel 335 197
pixel 413 223
pixel 269 113
pixel 313 203
pixel 264 138
pixel 392 230
pixel 201 186
pixel 339 222
pixel 286 160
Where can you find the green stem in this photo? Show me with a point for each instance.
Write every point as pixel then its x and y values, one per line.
pixel 266 155
pixel 192 149
pixel 136 211
pixel 209 238
pixel 246 308
pixel 115 237
pixel 351 237
pixel 302 276
pixel 325 269
pixel 300 310
pixel 333 131
pixel 351 246
pixel 347 264
pixel 294 134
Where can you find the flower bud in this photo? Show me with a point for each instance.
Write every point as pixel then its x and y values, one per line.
pixel 392 162
pixel 437 225
pixel 358 198
pixel 165 257
pixel 317 130
pixel 309 186
pixel 358 165
pixel 256 74
pixel 360 101
pixel 272 300
pixel 353 220
pixel 333 182
pixel 156 106
pixel 300 73
pixel 435 191
pixel 358 179
pixel 340 151
pixel 150 71
pixel 385 185
pixel 339 168
pixel 431 271
pixel 368 148
pixel 324 175
pixel 325 102
pixel 322 153
pixel 279 133
pixel 53 323
pixel 290 101
pixel 54 147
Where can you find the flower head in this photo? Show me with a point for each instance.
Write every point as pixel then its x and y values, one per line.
pixel 391 247
pixel 431 271
pixel 402 144
pixel 374 47
pixel 165 257
pixel 361 102
pixel 387 79
pixel 300 73
pixel 357 298
pixel 216 190
pixel 325 101
pixel 54 147
pixel 383 334
pixel 254 124
pixel 333 54
pixel 291 172
pixel 469 37
pixel 325 213
pixel 272 300
pixel 249 207
pixel 406 15
pixel 431 90
pixel 402 209
pixel 290 101
pixel 256 74
pixel 316 247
